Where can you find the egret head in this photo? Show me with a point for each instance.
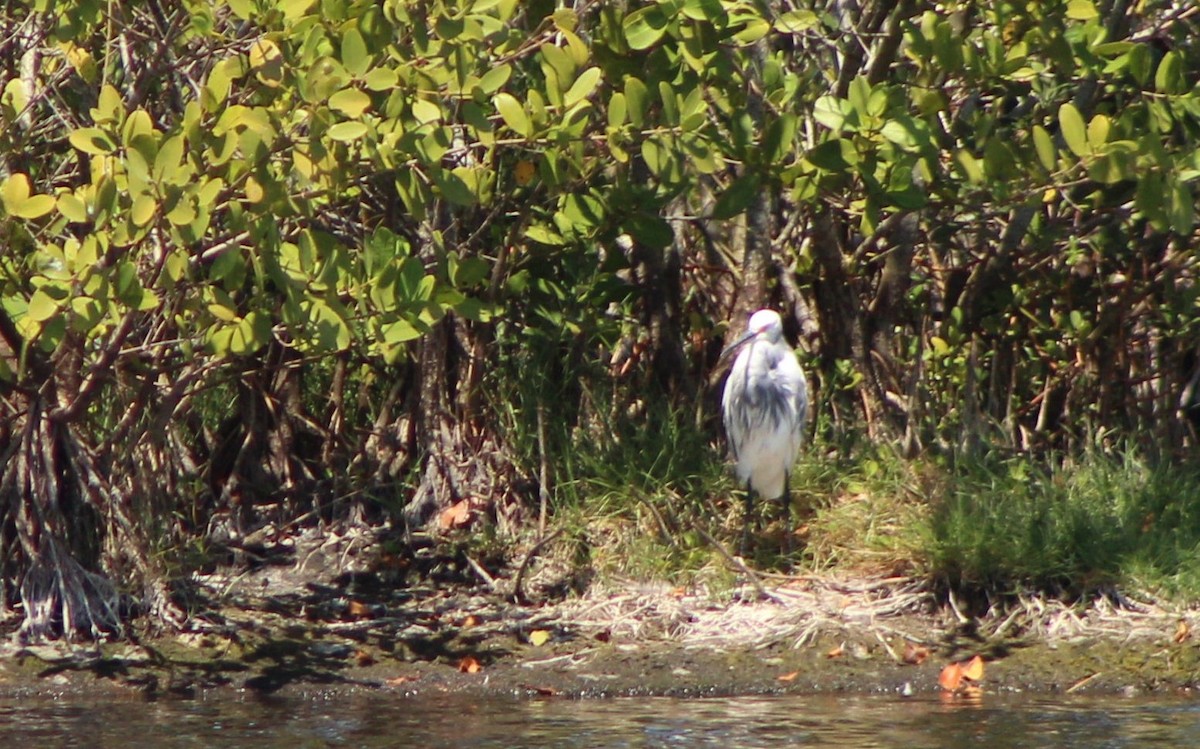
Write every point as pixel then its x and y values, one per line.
pixel 765 325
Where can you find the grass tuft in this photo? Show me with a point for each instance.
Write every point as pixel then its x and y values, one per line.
pixel 1073 530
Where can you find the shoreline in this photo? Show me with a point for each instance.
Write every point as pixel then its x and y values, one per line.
pixel 815 635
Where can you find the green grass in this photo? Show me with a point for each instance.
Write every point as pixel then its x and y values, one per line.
pixel 1072 529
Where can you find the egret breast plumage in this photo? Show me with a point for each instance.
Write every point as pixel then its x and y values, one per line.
pixel 765 408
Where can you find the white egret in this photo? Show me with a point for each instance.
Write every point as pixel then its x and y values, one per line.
pixel 765 407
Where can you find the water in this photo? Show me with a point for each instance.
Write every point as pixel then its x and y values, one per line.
pixel 377 720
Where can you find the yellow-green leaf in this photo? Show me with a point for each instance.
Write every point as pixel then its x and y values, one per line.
pixel 18 201
pixel 426 111
pixel 91 140
pixel 143 209
pixel 72 208
pixel 350 102
pixel 1074 132
pixel 513 113
pixel 583 87
pixel 1046 152
pixel 347 131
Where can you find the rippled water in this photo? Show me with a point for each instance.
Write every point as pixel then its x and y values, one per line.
pixel 377 720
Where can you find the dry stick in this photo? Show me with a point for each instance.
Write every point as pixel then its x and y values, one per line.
pixel 543 470
pixel 517 596
pixel 737 564
pixel 482 573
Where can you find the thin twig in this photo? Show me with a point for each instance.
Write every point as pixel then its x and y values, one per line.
pixel 518 596
pixel 738 564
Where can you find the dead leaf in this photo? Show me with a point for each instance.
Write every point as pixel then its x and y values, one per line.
pixel 1183 632
pixel 396 681
pixel 837 652
pixel 456 515
pixel 951 677
pixel 363 658
pixel 788 678
pixel 523 172
pixel 972 670
pixel 603 635
pixel 469 665
pixel 470 621
pixel 539 637
pixel 915 655
pixel 541 691
pixel 358 610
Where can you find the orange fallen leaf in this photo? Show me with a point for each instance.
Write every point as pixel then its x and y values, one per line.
pixel 837 652
pixel 788 678
pixel 951 677
pixel 363 658
pixel 469 665
pixel 358 609
pixel 470 621
pixel 915 655
pixel 396 681
pixel 456 515
pixel 973 669
pixel 1183 632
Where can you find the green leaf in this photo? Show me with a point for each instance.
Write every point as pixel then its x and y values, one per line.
pixel 779 138
pixel 1181 208
pixel 453 188
pixel 15 194
pixel 543 234
pixel 350 102
pixel 737 197
pixel 355 56
pixel 381 79
pixel 513 113
pixel 72 208
pixel 92 140
pixel 347 131
pixel 426 111
pixel 250 334
pixel 829 156
pixel 796 22
pixel 583 87
pixel 1074 132
pixel 644 27
pixel 1046 152
pixel 970 166
pixel 1081 10
pixel 1169 78
pixel 1097 131
pixel 637 96
pixel 494 80
pixel 42 306
pixel 144 207
pixel 327 330
pixel 829 111
pixel 399 331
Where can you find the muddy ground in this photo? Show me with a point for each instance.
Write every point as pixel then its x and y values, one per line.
pixel 324 616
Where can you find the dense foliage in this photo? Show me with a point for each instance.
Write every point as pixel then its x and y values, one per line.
pixel 281 258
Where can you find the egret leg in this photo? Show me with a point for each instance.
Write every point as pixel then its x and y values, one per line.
pixel 748 508
pixel 789 528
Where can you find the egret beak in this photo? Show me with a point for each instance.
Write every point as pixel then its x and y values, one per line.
pixel 736 345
